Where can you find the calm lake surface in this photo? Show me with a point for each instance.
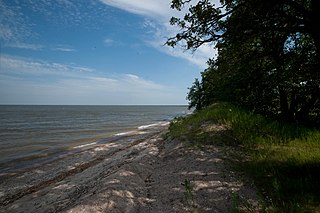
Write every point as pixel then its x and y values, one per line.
pixel 31 134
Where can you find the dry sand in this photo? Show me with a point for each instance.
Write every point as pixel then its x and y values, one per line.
pixel 137 173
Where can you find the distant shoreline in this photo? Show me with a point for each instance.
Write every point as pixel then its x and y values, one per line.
pixel 99 105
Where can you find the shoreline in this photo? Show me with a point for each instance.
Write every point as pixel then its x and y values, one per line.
pixel 58 154
pixel 138 173
pixel 16 186
pixel 29 134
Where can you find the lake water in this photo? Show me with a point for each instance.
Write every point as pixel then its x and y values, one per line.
pixel 30 134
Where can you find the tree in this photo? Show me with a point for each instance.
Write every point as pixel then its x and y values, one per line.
pixel 195 95
pixel 269 53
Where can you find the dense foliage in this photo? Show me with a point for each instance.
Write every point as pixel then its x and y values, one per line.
pixel 269 55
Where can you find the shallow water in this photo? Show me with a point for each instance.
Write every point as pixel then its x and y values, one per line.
pixel 30 134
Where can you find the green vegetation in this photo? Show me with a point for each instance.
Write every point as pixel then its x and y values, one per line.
pixel 268 63
pixel 188 192
pixel 268 55
pixel 189 195
pixel 235 203
pixel 282 158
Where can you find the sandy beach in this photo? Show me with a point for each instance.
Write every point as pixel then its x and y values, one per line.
pixel 138 172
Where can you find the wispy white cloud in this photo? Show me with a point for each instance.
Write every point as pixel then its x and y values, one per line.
pixel 84 91
pixel 158 8
pixel 25 66
pixel 90 14
pixel 21 45
pixel 108 41
pixel 12 24
pixel 161 32
pixel 199 58
pixel 140 83
pixel 22 81
pixel 64 49
pixel 16 25
pixel 158 14
pixel 111 42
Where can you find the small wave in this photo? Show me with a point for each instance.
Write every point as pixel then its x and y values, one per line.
pixel 153 125
pixel 125 133
pixel 147 126
pixel 138 131
pixel 84 145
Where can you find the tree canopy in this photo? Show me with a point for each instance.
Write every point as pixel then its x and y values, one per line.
pixel 268 54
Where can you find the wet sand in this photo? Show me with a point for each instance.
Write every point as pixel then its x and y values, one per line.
pixel 138 172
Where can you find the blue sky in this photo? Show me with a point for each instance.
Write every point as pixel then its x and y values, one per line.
pixel 93 52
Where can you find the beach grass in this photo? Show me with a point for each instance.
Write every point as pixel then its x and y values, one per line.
pixel 283 159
